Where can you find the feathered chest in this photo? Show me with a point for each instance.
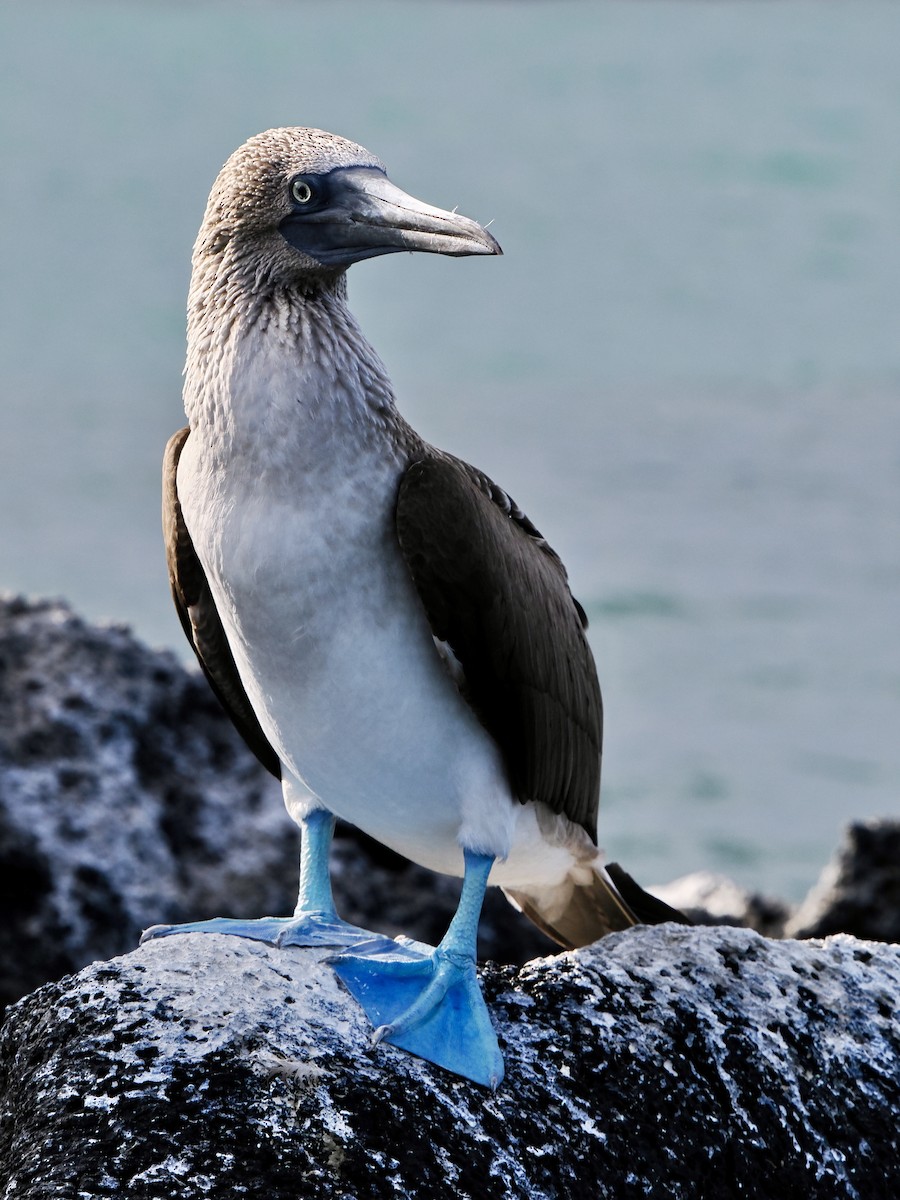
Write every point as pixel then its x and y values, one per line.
pixel 291 471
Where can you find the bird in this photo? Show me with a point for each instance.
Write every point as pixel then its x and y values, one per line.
pixel 387 629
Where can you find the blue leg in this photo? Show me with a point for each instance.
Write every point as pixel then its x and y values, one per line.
pixel 315 921
pixel 432 1005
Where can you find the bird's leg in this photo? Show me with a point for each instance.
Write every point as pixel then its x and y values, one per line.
pixel 315 894
pixel 315 921
pixel 432 1005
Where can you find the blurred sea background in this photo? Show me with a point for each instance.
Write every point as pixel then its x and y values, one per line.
pixel 686 367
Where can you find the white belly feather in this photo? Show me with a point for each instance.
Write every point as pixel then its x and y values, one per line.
pixel 334 648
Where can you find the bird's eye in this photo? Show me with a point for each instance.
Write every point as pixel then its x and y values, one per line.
pixel 301 191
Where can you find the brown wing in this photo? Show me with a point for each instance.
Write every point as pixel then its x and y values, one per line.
pixel 497 594
pixel 199 617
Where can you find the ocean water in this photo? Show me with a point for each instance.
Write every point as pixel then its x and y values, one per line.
pixel 686 367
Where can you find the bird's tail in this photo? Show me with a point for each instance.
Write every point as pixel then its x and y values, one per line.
pixel 578 911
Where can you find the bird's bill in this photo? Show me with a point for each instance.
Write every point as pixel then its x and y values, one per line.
pixel 364 215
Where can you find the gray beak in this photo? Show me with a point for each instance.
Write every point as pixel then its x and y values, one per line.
pixel 356 212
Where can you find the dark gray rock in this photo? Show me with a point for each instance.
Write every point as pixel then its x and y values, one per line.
pixel 664 1062
pixel 859 890
pixel 127 799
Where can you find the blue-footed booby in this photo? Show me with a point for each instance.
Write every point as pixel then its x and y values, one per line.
pixel 387 629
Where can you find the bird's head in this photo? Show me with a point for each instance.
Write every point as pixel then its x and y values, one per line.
pixel 301 204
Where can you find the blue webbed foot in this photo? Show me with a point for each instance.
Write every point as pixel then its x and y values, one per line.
pixel 303 929
pixel 428 1001
pixel 315 921
pixel 430 1005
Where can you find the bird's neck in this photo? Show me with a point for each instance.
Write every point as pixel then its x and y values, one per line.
pixel 289 370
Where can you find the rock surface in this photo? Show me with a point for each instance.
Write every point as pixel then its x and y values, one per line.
pixel 664 1062
pixel 125 798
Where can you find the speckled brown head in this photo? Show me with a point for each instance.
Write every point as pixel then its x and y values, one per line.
pixel 291 204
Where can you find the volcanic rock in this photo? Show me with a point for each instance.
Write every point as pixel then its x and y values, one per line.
pixel 664 1062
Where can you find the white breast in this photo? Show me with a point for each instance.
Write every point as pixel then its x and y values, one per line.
pixel 290 506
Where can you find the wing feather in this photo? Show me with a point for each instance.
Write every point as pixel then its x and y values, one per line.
pixel 498 595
